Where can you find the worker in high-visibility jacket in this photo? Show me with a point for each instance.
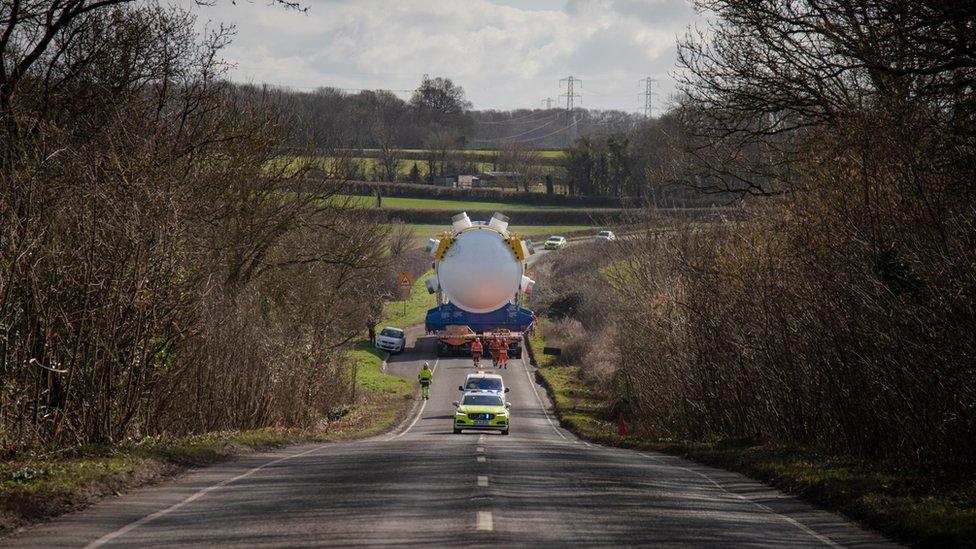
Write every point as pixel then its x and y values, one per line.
pixel 426 376
pixel 476 350
pixel 493 345
pixel 503 355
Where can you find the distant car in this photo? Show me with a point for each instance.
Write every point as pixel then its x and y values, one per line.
pixel 481 410
pixel 606 235
pixel 483 381
pixel 391 339
pixel 555 242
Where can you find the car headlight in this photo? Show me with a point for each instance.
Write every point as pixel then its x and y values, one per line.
pixel 502 414
pixel 459 413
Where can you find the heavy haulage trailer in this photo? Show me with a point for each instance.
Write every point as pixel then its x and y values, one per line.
pixel 479 278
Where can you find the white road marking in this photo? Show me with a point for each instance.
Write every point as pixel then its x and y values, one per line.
pixel 481 438
pixel 484 521
pixel 482 481
pixel 420 413
pixel 197 495
pixel 803 527
pixel 541 404
pixel 482 459
pixel 480 450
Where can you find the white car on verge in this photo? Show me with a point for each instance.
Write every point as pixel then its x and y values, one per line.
pixel 391 339
pixel 606 235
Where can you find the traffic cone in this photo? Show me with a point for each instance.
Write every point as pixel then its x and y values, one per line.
pixel 622 426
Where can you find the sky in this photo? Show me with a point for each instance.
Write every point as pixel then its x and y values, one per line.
pixel 505 53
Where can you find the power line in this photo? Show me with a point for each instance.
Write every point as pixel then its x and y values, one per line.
pixel 573 125
pixel 553 119
pixel 510 120
pixel 648 95
pixel 570 94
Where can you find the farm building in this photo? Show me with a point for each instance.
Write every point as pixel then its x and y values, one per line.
pixel 445 181
pixel 498 179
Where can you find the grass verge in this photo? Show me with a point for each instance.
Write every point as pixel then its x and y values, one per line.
pixel 402 315
pixel 910 506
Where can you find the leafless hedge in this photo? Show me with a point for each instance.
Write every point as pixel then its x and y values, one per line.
pixel 156 275
pixel 841 313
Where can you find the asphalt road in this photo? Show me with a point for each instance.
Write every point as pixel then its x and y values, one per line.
pixel 423 485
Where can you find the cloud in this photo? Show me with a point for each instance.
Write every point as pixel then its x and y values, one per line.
pixel 504 54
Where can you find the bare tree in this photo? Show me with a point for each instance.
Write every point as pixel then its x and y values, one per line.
pixel 156 254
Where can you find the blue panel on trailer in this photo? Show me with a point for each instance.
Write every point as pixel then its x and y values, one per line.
pixel 511 317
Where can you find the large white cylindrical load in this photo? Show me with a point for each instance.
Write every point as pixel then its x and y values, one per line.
pixel 479 271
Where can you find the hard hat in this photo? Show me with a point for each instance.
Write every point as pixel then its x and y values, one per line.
pixel 426 364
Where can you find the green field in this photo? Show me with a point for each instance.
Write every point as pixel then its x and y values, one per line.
pixel 447 204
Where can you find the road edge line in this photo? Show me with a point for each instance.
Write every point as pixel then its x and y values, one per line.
pixel 539 399
pixel 420 412
pixel 191 498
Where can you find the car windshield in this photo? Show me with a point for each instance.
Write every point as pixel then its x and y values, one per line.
pixel 555 239
pixel 482 400
pixel 605 233
pixel 391 332
pixel 484 384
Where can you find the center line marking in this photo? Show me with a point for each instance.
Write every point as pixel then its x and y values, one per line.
pixel 481 459
pixel 484 521
pixel 480 449
pixel 482 481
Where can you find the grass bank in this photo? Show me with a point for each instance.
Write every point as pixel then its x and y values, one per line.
pixel 908 505
pixel 401 315
pixel 47 482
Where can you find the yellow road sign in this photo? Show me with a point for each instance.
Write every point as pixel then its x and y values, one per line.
pixel 405 284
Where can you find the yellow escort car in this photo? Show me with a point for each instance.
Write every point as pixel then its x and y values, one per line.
pixel 481 410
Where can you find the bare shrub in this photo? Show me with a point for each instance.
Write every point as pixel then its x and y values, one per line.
pixel 569 336
pixel 599 364
pixel 159 273
pixel 838 313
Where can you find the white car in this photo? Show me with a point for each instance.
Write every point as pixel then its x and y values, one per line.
pixel 391 339
pixel 485 382
pixel 606 235
pixel 555 243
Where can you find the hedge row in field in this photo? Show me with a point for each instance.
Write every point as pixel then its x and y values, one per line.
pixel 465 156
pixel 576 216
pixel 412 190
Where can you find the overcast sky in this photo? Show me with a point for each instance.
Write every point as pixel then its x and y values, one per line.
pixel 505 53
